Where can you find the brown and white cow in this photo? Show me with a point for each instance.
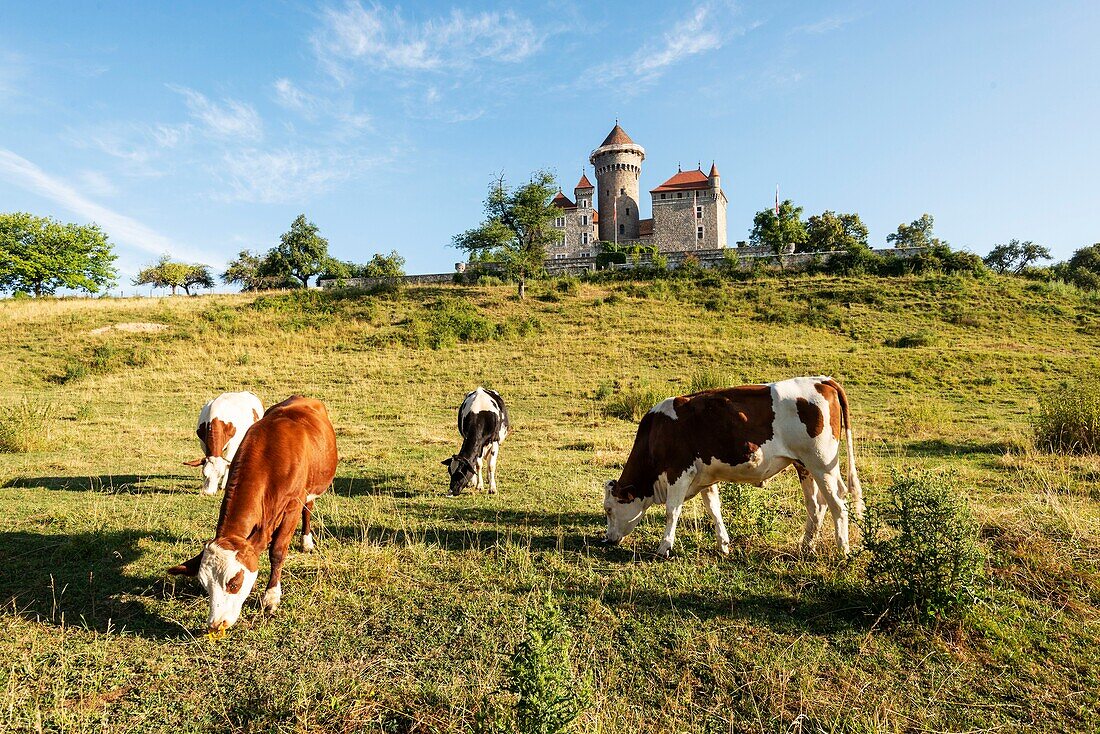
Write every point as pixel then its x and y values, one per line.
pixel 685 446
pixel 287 459
pixel 223 422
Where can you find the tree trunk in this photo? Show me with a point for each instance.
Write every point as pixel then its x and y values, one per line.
pixel 187 289
pixel 522 287
pixel 38 289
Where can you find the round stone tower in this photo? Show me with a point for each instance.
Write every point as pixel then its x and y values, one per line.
pixel 618 164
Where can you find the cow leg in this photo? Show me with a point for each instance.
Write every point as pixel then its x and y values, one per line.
pixel 713 502
pixel 307 530
pixel 276 553
pixel 829 483
pixel 815 507
pixel 494 450
pixel 674 505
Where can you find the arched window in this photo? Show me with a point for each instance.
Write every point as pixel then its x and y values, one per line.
pixel 622 229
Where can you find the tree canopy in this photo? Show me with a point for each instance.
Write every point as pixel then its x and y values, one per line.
pixel 301 253
pixel 247 272
pixel 39 255
pixel 1015 256
pixel 780 234
pixel 916 234
pixel 517 229
pixel 167 273
pixel 832 232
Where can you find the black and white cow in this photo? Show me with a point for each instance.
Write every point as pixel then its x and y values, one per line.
pixel 483 423
pixel 685 446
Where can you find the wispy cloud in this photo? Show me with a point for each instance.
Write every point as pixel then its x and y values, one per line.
pixel 288 174
pixel 229 119
pixel 706 28
pixel 137 145
pixel 122 229
pixel 384 39
pixel 825 25
pixel 341 116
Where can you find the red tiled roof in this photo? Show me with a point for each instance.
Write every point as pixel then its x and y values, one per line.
pixel 563 202
pixel 684 181
pixel 645 226
pixel 617 136
pixel 595 217
pixel 584 183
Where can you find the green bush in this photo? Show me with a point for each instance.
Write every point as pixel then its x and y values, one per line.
pixel 25 427
pixel 568 284
pixel 921 338
pixel 923 542
pixel 1068 419
pixel 547 695
pixel 449 321
pixel 103 359
pixel 710 379
pixel 632 404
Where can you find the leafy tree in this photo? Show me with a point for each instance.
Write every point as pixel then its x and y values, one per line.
pixel 1087 258
pixel 39 255
pixel 246 270
pixel 916 234
pixel 517 227
pixel 1015 256
pixel 302 253
pixel 780 234
pixel 170 274
pixel 1082 269
pixel 384 266
pixel 832 232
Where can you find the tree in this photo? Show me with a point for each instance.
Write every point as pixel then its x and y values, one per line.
pixel 1015 256
pixel 246 271
pixel 832 232
pixel 780 234
pixel 170 274
pixel 384 266
pixel 916 234
pixel 302 253
pixel 39 255
pixel 517 229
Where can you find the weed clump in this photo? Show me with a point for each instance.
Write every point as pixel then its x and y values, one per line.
pixel 449 321
pixel 548 696
pixel 632 404
pixel 1068 420
pixel 102 360
pixel 25 427
pixel 921 338
pixel 710 379
pixel 925 555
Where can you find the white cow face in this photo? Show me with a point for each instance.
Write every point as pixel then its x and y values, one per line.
pixel 227 575
pixel 622 517
pixel 215 472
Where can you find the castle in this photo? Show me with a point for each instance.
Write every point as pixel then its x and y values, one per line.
pixel 689 209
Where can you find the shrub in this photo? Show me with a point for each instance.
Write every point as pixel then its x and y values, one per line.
pixel 548 697
pixel 568 284
pixel 748 512
pixel 921 338
pixel 925 555
pixel 102 360
pixel 1068 420
pixel 25 427
pixel 631 405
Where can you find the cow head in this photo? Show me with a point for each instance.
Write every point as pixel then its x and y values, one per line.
pixel 623 515
pixel 215 472
pixel 227 569
pixel 463 473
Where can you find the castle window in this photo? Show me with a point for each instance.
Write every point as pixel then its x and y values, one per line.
pixel 584 238
pixel 622 192
pixel 628 211
pixel 679 194
pixel 662 196
pixel 698 212
pixel 622 229
pixel 699 233
pixel 584 220
pixel 559 222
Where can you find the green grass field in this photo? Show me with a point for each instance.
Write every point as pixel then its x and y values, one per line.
pixel 405 617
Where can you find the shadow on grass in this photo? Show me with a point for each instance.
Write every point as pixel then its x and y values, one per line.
pixel 108 483
pixel 374 484
pixel 939 449
pixel 78 580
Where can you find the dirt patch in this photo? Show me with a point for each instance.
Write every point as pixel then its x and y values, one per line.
pixel 133 327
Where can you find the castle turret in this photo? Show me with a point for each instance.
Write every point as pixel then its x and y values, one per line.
pixel 713 177
pixel 618 164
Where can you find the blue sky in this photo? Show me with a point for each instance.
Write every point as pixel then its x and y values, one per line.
pixel 200 129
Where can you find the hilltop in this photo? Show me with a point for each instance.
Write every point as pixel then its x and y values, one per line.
pixel 404 618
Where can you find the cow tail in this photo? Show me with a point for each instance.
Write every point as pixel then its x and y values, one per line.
pixel 853 476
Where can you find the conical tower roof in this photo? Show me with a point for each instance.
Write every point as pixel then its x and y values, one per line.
pixel 617 136
pixel 584 183
pixel 713 170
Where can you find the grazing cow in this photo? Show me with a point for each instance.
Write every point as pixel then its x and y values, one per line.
pixel 222 424
pixel 287 460
pixel 685 446
pixel 483 423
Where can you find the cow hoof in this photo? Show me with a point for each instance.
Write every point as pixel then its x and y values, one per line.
pixel 307 543
pixel 664 550
pixel 271 599
pixel 724 549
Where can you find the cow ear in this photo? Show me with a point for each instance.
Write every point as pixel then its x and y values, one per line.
pixel 188 568
pixel 248 558
pixel 195 462
pixel 447 461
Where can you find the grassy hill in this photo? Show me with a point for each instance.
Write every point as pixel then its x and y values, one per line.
pixel 404 618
